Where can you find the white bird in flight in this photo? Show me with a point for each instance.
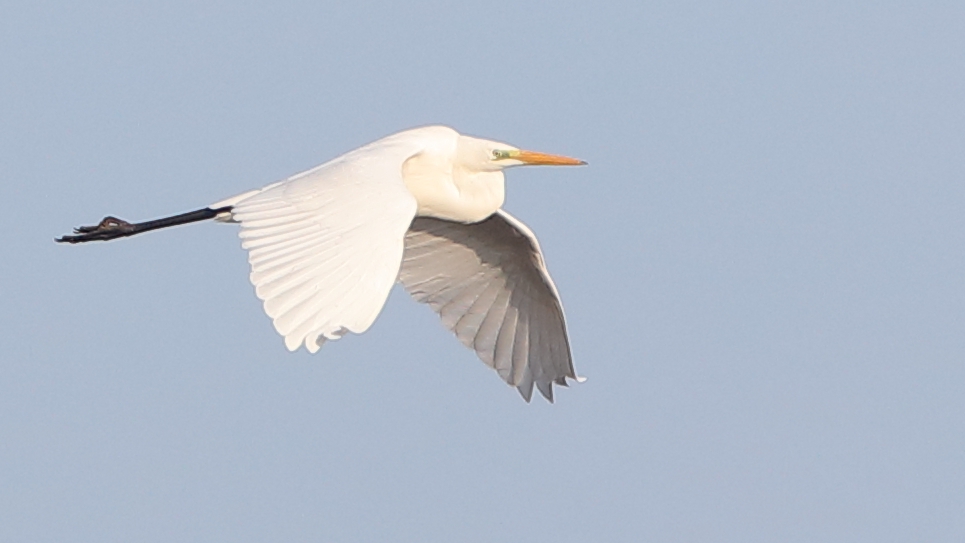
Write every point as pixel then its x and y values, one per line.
pixel 423 207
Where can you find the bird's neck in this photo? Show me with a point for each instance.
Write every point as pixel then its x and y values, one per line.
pixel 453 193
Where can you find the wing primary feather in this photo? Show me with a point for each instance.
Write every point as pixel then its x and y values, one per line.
pixel 274 219
pixel 468 326
pixel 460 304
pixel 546 389
pixel 503 355
pixel 486 338
pixel 272 234
pixel 274 270
pixel 520 354
pixel 296 245
pixel 526 388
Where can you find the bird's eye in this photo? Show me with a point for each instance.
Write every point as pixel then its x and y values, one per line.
pixel 497 154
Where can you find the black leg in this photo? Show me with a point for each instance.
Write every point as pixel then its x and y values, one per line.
pixel 112 227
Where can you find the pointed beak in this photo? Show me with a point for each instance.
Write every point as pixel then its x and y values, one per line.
pixel 544 159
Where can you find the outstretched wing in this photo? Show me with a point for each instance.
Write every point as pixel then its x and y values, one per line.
pixel 489 285
pixel 325 246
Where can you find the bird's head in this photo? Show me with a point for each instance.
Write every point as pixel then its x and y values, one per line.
pixel 488 156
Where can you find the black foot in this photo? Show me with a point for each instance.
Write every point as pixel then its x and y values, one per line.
pixel 109 228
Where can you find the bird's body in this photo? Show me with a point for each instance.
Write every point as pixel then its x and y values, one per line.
pixel 422 207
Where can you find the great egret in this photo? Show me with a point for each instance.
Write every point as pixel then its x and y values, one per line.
pixel 422 207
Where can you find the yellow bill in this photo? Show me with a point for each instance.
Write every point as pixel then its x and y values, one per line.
pixel 544 159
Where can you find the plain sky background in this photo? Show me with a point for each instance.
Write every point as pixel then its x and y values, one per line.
pixel 763 269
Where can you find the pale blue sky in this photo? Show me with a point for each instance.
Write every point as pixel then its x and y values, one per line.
pixel 762 267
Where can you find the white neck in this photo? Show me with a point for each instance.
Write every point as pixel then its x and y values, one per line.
pixel 449 192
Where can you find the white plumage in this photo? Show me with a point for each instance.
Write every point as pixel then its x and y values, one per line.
pixel 421 207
